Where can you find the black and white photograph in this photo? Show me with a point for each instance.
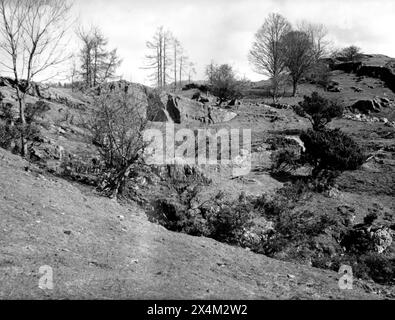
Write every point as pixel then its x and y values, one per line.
pixel 210 151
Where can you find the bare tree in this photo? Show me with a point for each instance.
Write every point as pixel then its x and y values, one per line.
pixel 191 71
pixel 183 64
pixel 98 64
pixel 31 33
pixel 178 51
pixel 318 37
pixel 351 54
pixel 210 71
pixel 299 55
pixel 159 59
pixel 117 128
pixel 266 54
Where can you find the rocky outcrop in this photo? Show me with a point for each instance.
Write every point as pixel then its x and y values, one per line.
pixel 182 109
pixel 374 66
pixel 385 73
pixel 174 108
pixel 42 91
pixel 369 106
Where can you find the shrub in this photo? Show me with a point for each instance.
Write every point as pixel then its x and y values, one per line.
pixel 377 267
pixel 223 83
pixel 331 150
pixel 11 128
pixel 324 181
pixel 33 111
pixel 228 224
pixel 284 161
pixel 8 134
pixel 281 142
pixel 318 110
pixel 351 54
pixel 190 86
pixel 117 130
pixel 296 231
pixel 320 74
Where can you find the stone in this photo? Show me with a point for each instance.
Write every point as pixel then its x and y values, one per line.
pixel 382 239
pixel 356 89
pixel 366 106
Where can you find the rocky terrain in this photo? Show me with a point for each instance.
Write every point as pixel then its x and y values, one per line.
pixel 101 248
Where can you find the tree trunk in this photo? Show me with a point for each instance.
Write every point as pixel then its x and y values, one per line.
pixel 21 102
pixel 295 88
pixel 180 77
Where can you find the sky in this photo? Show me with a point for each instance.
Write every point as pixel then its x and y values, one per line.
pixel 223 30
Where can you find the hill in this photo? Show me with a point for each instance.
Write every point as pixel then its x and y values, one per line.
pixel 101 249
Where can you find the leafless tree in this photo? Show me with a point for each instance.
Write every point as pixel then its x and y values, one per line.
pixel 318 37
pixel 351 54
pixel 117 128
pixel 98 64
pixel 299 55
pixel 178 52
pixel 31 33
pixel 159 58
pixel 183 65
pixel 191 71
pixel 266 55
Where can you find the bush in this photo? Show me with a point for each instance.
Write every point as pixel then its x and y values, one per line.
pixel 33 111
pixel 281 142
pixel 320 74
pixel 351 54
pixel 331 150
pixel 223 83
pixel 191 86
pixel 117 130
pixel 228 224
pixel 295 232
pixel 318 110
pixel 377 267
pixel 284 161
pixel 8 134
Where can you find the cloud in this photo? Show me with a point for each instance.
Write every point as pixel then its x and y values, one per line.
pixel 223 30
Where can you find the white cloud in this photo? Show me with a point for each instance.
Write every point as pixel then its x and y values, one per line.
pixel 223 30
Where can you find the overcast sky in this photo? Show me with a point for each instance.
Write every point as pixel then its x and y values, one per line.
pixel 223 30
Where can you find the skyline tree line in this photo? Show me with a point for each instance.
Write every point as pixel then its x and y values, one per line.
pixel 167 60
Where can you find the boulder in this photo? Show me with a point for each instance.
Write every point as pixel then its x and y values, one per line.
pixel 334 87
pixel 234 103
pixel 367 106
pixel 382 239
pixel 356 89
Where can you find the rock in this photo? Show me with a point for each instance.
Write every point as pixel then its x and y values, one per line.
pixel 367 106
pixel 356 89
pixel 234 103
pixel 333 193
pixel 384 120
pixel 334 89
pixel 67 232
pixel 258 232
pixel 382 239
pixel 61 131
